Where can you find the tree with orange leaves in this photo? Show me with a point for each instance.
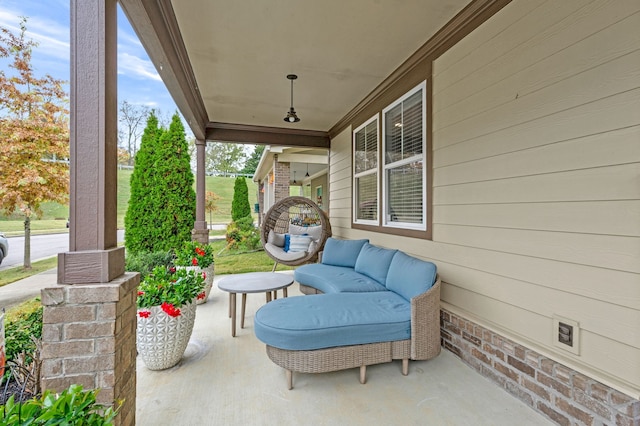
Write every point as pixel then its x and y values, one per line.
pixel 34 134
pixel 211 203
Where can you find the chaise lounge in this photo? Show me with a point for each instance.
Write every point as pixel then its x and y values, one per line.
pixel 366 305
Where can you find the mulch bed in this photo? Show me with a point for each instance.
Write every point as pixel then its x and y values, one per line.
pixel 13 388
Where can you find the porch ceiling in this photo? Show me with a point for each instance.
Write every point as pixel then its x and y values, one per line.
pixel 239 53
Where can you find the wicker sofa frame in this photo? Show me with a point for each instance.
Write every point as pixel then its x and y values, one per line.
pixel 423 345
pixel 278 218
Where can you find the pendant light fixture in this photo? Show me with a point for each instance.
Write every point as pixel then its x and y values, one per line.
pixel 292 117
pixel 294 177
pixel 307 175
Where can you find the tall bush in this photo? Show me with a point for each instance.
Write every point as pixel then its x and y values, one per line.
pixel 139 218
pixel 162 206
pixel 240 205
pixel 174 194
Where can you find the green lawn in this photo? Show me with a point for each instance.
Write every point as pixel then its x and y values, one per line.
pixel 238 263
pixel 54 217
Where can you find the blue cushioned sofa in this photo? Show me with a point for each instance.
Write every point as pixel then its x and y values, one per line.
pixel 365 305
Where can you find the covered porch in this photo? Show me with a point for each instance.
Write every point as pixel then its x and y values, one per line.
pixel 521 185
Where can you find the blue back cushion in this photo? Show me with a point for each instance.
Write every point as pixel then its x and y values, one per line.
pixel 409 276
pixel 342 252
pixel 374 262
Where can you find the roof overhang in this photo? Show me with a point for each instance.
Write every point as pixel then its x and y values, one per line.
pixel 226 62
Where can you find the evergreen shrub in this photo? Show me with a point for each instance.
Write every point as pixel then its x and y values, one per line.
pixel 240 206
pixel 162 205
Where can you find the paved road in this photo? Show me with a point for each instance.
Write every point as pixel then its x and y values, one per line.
pixel 42 246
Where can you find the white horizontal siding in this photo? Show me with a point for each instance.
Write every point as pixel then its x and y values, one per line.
pixel 536 185
pixel 537 178
pixel 340 178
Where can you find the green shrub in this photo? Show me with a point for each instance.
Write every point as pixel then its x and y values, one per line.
pixel 144 262
pixel 240 207
pixel 72 407
pixel 243 235
pixel 138 219
pixel 162 205
pixel 21 324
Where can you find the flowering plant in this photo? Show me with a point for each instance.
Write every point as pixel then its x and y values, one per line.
pixel 170 288
pixel 193 253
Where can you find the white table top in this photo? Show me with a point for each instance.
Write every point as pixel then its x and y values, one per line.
pixel 255 282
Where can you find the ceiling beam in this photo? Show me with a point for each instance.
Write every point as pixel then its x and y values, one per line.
pixel 275 136
pixel 303 158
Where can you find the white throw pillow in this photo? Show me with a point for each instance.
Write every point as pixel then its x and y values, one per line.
pixel 314 231
pixel 275 239
pixel 299 243
pixel 297 230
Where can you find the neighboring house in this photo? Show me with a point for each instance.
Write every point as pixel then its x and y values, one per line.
pixel 499 139
pixel 284 171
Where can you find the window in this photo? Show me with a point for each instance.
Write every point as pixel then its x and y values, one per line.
pixel 365 166
pixel 404 170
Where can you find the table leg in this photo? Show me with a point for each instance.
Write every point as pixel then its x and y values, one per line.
pixel 233 314
pixel 244 304
pixel 284 292
pixel 268 296
pixel 275 294
pixel 229 305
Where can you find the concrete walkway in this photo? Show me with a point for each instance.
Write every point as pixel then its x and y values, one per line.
pixel 28 288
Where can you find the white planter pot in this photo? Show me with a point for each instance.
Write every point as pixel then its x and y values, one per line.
pixel 162 339
pixel 208 282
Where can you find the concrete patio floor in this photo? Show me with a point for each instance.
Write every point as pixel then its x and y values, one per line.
pixel 223 380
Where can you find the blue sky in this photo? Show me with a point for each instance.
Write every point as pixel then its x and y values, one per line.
pixel 48 24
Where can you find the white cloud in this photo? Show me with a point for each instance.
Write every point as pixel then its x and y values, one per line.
pixel 131 64
pixel 51 36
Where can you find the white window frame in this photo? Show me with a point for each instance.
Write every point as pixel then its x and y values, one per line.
pixel 423 157
pixel 375 170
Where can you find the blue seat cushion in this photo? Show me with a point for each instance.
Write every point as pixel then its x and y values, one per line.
pixel 374 262
pixel 331 320
pixel 409 276
pixel 335 279
pixel 342 252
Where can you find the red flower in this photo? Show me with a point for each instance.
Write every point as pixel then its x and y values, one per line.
pixel 140 293
pixel 201 295
pixel 194 261
pixel 144 314
pixel 172 269
pixel 199 251
pixel 170 309
pixel 204 275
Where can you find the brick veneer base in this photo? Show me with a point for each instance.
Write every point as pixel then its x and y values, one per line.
pixel 89 338
pixel 558 392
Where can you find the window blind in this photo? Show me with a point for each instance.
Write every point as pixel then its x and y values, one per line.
pixel 405 193
pixel 404 177
pixel 367 197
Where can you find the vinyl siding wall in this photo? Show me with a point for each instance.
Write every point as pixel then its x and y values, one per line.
pixel 536 153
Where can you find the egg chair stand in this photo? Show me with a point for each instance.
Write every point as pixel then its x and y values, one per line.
pixel 302 213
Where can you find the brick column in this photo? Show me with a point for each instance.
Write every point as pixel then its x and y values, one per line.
pixel 90 317
pixel 89 338
pixel 282 173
